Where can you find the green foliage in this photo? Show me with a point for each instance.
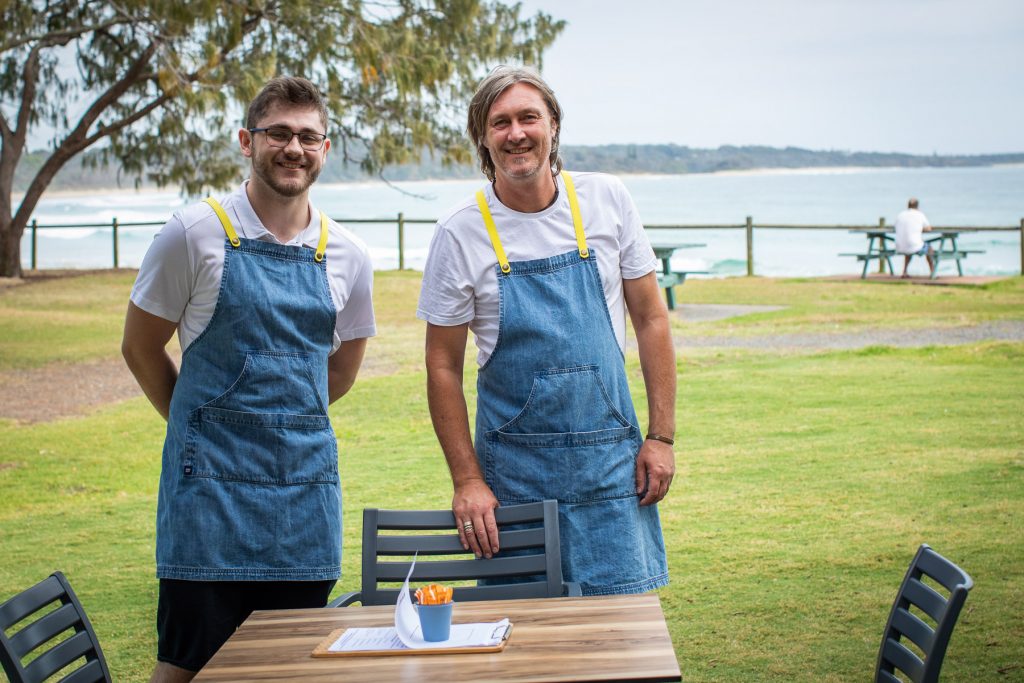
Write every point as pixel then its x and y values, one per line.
pixel 158 87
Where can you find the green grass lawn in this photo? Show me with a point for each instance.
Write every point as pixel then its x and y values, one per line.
pixel 806 480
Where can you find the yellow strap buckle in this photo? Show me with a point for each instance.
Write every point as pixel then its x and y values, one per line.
pixel 224 221
pixel 577 218
pixel 492 231
pixel 321 246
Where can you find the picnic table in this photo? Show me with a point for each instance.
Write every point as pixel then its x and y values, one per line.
pixel 668 278
pixel 882 246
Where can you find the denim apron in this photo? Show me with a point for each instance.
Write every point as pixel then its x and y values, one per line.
pixel 249 487
pixel 555 418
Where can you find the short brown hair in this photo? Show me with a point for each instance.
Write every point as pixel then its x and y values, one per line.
pixel 290 90
pixel 912 203
pixel 490 88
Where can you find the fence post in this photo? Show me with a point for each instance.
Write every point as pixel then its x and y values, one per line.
pixel 401 241
pixel 35 226
pixel 881 246
pixel 114 226
pixel 750 246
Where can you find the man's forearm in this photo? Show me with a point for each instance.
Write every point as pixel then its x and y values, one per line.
pixel 450 417
pixel 658 363
pixel 156 374
pixel 144 348
pixel 343 366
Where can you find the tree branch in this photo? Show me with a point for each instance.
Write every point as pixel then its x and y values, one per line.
pixel 127 121
pixel 29 79
pixel 109 97
pixel 59 37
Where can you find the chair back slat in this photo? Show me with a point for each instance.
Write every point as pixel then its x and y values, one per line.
pixel 901 656
pixel 514 591
pixel 522 539
pixel 29 601
pixel 415 520
pixel 520 514
pixel 919 633
pixel 45 628
pixel 947 574
pixel 528 565
pixel 78 657
pixel 424 545
pixel 462 570
pixel 924 598
pixel 903 623
pixel 518 539
pixel 92 672
pixel 56 658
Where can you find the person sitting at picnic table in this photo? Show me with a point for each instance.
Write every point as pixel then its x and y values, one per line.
pixel 910 224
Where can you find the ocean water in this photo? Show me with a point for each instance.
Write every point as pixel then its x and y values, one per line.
pixel 992 196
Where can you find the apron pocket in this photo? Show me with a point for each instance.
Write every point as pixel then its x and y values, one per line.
pixel 567 400
pixel 577 467
pixel 263 448
pixel 273 382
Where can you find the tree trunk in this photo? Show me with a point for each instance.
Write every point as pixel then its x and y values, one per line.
pixel 10 248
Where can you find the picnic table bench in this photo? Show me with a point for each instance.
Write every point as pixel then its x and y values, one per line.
pixel 881 246
pixel 669 278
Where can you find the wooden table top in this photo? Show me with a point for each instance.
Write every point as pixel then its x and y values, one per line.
pixel 660 247
pixel 887 232
pixel 614 638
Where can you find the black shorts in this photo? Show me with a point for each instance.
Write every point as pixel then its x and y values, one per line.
pixel 194 618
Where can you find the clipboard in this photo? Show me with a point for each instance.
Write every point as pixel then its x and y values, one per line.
pixel 322 649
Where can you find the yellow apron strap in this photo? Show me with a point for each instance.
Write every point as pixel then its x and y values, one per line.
pixel 577 219
pixel 321 246
pixel 481 201
pixel 224 221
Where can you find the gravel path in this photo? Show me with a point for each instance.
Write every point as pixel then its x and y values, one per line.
pixel 65 389
pixel 1000 330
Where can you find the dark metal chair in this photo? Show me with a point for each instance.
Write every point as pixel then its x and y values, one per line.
pixel 56 638
pixel 529 564
pixel 930 640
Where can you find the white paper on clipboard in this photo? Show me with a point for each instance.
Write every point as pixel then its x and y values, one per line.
pixel 406 633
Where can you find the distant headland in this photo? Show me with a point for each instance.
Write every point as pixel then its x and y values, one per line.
pixel 619 158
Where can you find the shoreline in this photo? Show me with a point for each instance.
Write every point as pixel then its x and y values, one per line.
pixel 16 197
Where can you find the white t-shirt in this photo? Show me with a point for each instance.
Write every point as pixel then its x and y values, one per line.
pixel 909 225
pixel 459 281
pixel 180 276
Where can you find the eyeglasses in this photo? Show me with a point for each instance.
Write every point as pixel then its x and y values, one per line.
pixel 282 137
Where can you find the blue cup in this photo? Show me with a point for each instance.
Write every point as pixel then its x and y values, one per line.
pixel 436 621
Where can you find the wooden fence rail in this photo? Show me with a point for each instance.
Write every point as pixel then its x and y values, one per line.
pixel 401 221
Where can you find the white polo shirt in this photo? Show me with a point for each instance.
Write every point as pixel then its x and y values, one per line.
pixel 180 276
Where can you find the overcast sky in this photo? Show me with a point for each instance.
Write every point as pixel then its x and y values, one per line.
pixel 918 76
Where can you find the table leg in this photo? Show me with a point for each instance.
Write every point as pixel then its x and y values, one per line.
pixel 956 248
pixel 670 297
pixel 867 257
pixel 937 258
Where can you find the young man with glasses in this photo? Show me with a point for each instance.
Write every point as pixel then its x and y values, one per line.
pixel 271 301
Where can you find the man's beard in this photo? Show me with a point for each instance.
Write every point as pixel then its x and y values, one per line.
pixel 264 168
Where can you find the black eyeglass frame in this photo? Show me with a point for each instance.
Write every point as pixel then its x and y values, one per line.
pixel 270 141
